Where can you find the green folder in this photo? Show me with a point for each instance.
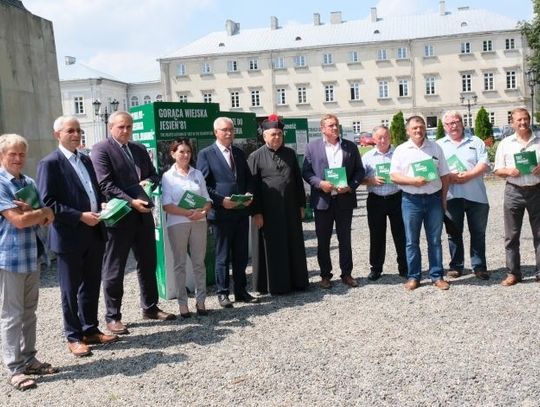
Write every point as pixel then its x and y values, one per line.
pixel 29 194
pixel 336 176
pixel 383 171
pixel 191 200
pixel 241 198
pixel 426 169
pixel 455 164
pixel 525 162
pixel 115 210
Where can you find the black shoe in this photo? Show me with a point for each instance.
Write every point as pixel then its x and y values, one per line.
pixel 482 275
pixel 246 297
pixel 158 314
pixel 374 275
pixel 224 301
pixel 202 312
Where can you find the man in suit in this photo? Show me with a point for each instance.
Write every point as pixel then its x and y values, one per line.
pixel 225 169
pixel 67 184
pixel 330 203
pixel 123 168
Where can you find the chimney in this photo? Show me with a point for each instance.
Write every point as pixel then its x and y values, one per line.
pixel 442 8
pixel 70 60
pixel 316 19
pixel 335 17
pixel 274 23
pixel 374 14
pixel 231 27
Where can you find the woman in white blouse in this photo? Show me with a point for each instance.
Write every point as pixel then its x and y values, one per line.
pixel 186 227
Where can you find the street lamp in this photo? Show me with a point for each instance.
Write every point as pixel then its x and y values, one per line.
pixel 532 80
pixel 105 115
pixel 470 101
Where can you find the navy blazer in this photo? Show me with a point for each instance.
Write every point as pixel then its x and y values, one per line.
pixel 61 189
pixel 315 162
pixel 116 174
pixel 221 181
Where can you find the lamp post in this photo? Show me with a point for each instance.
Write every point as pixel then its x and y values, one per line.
pixel 532 80
pixel 469 101
pixel 105 115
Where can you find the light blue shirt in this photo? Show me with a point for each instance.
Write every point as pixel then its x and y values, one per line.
pixel 370 160
pixel 470 151
pixel 83 175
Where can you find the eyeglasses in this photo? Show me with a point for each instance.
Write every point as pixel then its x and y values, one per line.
pixel 454 123
pixel 227 130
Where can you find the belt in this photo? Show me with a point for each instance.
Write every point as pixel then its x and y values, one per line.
pixel 390 196
pixel 434 193
pixel 525 187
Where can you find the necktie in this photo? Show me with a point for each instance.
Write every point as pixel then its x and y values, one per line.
pixel 231 160
pixel 127 152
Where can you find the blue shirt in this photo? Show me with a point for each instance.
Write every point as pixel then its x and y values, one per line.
pixel 18 247
pixel 470 151
pixel 370 160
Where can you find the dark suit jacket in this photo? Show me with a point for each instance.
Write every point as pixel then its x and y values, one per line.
pixel 116 175
pixel 221 182
pixel 315 162
pixel 61 189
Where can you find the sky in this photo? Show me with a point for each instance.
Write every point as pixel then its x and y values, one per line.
pixel 124 38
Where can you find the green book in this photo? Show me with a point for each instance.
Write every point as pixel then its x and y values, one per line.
pixel 525 162
pixel 115 210
pixel 383 171
pixel 336 176
pixel 29 195
pixel 455 164
pixel 148 188
pixel 241 199
pixel 191 200
pixel 426 169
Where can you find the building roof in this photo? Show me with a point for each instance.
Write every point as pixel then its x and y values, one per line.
pixel 14 3
pixel 74 70
pixel 461 21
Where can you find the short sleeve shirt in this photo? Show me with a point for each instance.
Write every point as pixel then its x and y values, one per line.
pixel 504 158
pixel 370 161
pixel 18 247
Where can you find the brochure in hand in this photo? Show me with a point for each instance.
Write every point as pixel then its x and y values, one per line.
pixel 29 194
pixel 241 199
pixel 383 171
pixel 191 200
pixel 426 169
pixel 115 210
pixel 455 164
pixel 525 162
pixel 336 176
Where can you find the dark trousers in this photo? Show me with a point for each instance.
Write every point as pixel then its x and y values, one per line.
pixel 231 237
pixel 477 217
pixel 324 223
pixel 79 278
pixel 516 200
pixel 379 209
pixel 137 235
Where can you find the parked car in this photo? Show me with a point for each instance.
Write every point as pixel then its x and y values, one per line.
pixel 497 133
pixel 431 133
pixel 366 139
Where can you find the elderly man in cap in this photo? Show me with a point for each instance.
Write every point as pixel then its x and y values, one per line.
pixel 278 207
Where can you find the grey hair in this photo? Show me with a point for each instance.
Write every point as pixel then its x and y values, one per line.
pixel 377 128
pixel 225 119
pixel 454 113
pixel 9 140
pixel 59 123
pixel 119 113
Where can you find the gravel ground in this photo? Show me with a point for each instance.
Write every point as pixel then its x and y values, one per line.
pixel 476 344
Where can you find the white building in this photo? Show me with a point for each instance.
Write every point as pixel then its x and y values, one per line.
pixel 364 71
pixel 81 86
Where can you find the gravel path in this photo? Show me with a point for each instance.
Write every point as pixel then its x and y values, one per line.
pixel 476 344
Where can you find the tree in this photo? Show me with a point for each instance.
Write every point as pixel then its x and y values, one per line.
pixel 440 129
pixel 531 31
pixel 397 129
pixel 482 125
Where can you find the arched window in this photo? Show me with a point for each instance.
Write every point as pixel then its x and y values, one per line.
pixel 134 101
pixel 147 99
pixel 159 98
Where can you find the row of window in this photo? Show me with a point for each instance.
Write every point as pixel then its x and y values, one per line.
pixel 300 61
pixel 78 102
pixel 403 89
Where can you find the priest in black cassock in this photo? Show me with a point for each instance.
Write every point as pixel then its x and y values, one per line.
pixel 279 265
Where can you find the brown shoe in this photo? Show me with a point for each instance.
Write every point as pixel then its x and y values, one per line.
pixel 348 280
pixel 482 275
pixel 117 328
pixel 454 273
pixel 441 284
pixel 325 283
pixel 79 349
pixel 99 338
pixel 412 284
pixel 511 279
pixel 158 314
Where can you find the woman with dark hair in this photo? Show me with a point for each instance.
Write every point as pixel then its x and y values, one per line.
pixel 186 227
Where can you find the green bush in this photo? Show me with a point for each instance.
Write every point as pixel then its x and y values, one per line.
pixel 491 151
pixel 397 129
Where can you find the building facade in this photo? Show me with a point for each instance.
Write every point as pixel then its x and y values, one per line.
pixel 364 71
